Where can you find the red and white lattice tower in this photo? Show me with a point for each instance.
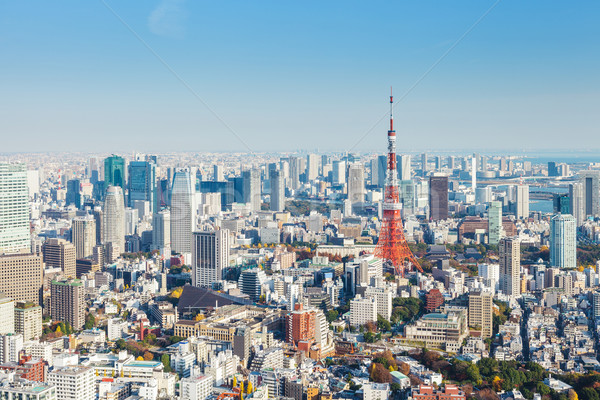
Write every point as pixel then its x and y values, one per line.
pixel 392 246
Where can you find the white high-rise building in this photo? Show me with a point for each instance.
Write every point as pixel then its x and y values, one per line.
pixel 7 315
pixel 563 241
pixel 404 168
pixel 114 218
pixel 384 300
pixel 84 236
pixel 277 191
pixel 14 209
pixel 363 310
pixel 182 213
pixel 576 202
pixel 10 348
pixel 196 387
pixel 510 266
pixel 218 175
pixel 522 209
pixel 161 230
pixel 356 183
pixel 210 255
pixel 73 383
pixel 312 166
pixel 251 183
pixel 131 220
pixel 339 172
pixel 495 228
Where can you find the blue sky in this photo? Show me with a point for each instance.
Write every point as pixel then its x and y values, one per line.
pixel 298 75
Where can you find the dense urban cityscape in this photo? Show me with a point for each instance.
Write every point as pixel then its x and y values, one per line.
pixel 299 200
pixel 230 276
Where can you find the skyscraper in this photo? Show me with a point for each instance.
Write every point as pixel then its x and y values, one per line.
pixel 438 197
pixel 73 193
pixel 218 175
pixel 576 202
pixel 251 185
pixel 182 213
pixel 404 168
pixel 339 172
pixel 522 202
pixel 294 182
pixel 142 183
pixel 312 167
pixel 14 209
pixel 590 181
pixel 510 266
pixel 277 191
pixel 495 228
pixel 83 236
pixel 424 164
pixel 356 183
pixel 563 241
pixel 67 299
pixel 61 254
pixel 161 230
pixel 114 172
pixel 114 219
pixel 210 255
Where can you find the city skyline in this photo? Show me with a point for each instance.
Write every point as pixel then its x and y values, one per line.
pixel 523 74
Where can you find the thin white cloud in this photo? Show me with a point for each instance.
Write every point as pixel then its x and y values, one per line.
pixel 168 19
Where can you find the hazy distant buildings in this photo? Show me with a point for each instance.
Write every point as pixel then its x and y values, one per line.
pixel 563 241
pixel 424 164
pixel 114 219
pixel 182 213
pixel 14 209
pixel 438 197
pixel 210 256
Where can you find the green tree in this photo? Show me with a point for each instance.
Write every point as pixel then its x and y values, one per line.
pixel 543 390
pixel 166 361
pixel 90 321
pixel 332 315
pixel 473 374
pixel 383 324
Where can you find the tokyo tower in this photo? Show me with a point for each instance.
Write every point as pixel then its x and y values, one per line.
pixel 392 246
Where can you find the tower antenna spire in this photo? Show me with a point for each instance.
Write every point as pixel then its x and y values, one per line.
pixel 392 246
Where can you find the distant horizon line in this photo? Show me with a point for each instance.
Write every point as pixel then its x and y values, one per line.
pixel 503 152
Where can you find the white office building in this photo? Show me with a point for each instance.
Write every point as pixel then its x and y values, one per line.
pixel 210 255
pixel 563 241
pixel 182 213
